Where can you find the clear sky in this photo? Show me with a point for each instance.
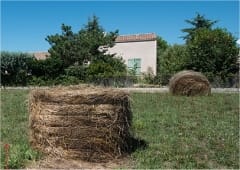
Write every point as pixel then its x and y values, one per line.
pixel 25 25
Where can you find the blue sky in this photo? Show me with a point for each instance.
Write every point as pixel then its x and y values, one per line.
pixel 25 25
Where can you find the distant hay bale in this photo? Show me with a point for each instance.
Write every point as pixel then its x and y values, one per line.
pixel 189 83
pixel 91 124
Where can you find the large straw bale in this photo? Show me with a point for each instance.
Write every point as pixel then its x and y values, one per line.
pixel 87 123
pixel 189 83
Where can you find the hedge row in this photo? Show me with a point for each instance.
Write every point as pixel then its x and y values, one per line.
pixel 22 69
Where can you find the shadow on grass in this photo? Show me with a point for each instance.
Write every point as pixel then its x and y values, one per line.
pixel 135 144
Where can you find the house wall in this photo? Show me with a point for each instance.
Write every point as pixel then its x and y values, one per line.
pixel 146 50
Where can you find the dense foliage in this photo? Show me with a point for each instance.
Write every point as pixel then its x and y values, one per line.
pixel 48 68
pixel 83 46
pixel 106 67
pixel 15 68
pixel 213 52
pixel 162 45
pixel 172 60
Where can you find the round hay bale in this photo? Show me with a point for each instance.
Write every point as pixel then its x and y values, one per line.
pixel 189 83
pixel 87 123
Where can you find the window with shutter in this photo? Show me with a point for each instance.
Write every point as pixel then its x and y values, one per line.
pixel 135 64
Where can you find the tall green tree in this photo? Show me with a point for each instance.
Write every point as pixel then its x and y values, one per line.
pixel 95 40
pixel 77 48
pixel 197 23
pixel 63 46
pixel 213 52
pixel 162 45
pixel 88 45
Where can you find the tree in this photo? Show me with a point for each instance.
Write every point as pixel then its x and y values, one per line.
pixel 161 44
pixel 101 64
pixel 63 46
pixel 77 48
pixel 213 52
pixel 198 22
pixel 172 60
pixel 93 36
pixel 88 45
pixel 161 47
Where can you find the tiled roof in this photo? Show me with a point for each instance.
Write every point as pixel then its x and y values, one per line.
pixel 41 55
pixel 136 37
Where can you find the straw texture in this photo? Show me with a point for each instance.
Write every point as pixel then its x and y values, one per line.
pixel 189 83
pixel 92 124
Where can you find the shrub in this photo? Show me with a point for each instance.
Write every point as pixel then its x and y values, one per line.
pixel 15 68
pixel 172 60
pixel 106 67
pixel 60 80
pixel 76 71
pixel 149 77
pixel 66 80
pixel 37 81
pixel 49 68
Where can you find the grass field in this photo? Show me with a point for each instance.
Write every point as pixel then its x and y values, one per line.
pixel 181 132
pixel 14 123
pixel 187 132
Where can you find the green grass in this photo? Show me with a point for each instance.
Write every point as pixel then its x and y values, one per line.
pixel 181 132
pixel 14 125
pixel 187 132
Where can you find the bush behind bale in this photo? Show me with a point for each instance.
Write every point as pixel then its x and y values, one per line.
pixel 88 123
pixel 189 83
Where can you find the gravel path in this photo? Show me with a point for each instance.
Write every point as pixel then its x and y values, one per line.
pixel 145 90
pixel 165 90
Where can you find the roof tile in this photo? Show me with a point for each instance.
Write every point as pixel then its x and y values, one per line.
pixel 136 37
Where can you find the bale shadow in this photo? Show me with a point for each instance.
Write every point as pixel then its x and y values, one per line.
pixel 135 144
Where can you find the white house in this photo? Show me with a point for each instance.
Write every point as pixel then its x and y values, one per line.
pixel 139 51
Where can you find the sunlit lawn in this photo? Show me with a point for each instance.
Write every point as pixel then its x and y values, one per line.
pixel 187 132
pixel 181 132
